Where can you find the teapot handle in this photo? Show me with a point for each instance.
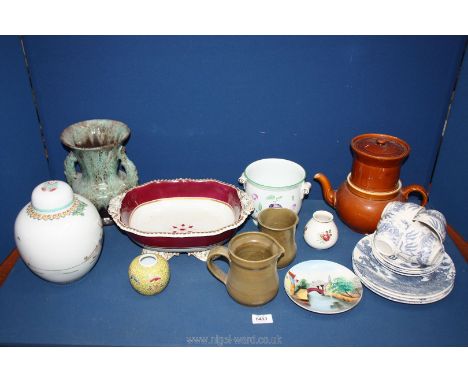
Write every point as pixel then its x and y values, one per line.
pixel 130 169
pixel 214 254
pixel 415 188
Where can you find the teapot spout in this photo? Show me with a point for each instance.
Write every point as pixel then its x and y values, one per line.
pixel 328 192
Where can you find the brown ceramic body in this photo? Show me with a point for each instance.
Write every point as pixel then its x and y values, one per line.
pixel 362 212
pixel 377 161
pixel 372 183
pixel 280 223
pixel 252 278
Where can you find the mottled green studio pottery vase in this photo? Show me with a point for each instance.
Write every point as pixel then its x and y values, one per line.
pixel 97 146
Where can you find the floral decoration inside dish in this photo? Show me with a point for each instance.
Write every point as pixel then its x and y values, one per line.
pixel 181 215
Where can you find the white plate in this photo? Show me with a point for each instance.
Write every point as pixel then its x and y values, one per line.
pixel 408 289
pixel 323 286
pixel 182 215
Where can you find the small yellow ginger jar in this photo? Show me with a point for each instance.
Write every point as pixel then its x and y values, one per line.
pixel 149 274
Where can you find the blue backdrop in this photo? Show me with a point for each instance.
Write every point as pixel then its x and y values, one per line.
pixel 208 106
pixel 22 158
pixel 449 187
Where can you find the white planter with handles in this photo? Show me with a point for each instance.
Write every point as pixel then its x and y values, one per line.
pixel 275 182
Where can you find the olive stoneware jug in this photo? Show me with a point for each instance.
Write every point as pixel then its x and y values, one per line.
pixel 252 278
pixel 374 181
pixel 97 147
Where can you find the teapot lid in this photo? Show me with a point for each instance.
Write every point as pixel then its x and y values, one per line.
pixel 52 196
pixel 380 146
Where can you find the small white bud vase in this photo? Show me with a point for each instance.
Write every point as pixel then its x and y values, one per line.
pixel 321 232
pixel 149 274
pixel 59 233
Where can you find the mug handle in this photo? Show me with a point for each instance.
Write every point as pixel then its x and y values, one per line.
pixel 214 254
pixel 415 188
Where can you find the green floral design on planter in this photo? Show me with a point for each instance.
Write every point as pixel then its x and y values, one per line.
pixel 274 201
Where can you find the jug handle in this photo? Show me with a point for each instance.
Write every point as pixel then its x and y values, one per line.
pixel 69 164
pixel 214 254
pixel 415 188
pixel 130 169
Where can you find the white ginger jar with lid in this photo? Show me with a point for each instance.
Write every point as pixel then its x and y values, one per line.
pixel 59 233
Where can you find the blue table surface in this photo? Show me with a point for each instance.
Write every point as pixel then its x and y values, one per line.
pixel 195 309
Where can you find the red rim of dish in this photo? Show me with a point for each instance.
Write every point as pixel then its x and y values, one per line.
pixel 121 206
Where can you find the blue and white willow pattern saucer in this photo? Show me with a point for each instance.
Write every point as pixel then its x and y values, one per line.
pixel 423 289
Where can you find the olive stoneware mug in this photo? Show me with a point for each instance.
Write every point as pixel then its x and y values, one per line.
pixel 252 278
pixel 280 223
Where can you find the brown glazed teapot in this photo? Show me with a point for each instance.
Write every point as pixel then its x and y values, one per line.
pixel 373 182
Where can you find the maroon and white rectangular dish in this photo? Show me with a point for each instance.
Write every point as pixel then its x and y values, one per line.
pixel 181 215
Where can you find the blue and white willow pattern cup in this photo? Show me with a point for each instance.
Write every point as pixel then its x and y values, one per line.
pixel 410 232
pixel 435 220
pixel 420 244
pixel 405 211
pixel 395 220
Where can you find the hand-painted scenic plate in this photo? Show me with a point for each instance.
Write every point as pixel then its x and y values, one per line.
pixel 323 286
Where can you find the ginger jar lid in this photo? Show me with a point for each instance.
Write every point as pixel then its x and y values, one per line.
pixel 380 146
pixel 51 197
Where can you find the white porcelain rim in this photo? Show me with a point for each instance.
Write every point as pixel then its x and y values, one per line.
pixel 329 216
pixel 148 255
pixel 289 186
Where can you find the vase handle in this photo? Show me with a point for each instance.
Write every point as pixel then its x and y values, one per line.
pixel 130 169
pixel 70 170
pixel 415 188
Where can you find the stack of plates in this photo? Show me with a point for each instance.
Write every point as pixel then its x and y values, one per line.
pixel 423 288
